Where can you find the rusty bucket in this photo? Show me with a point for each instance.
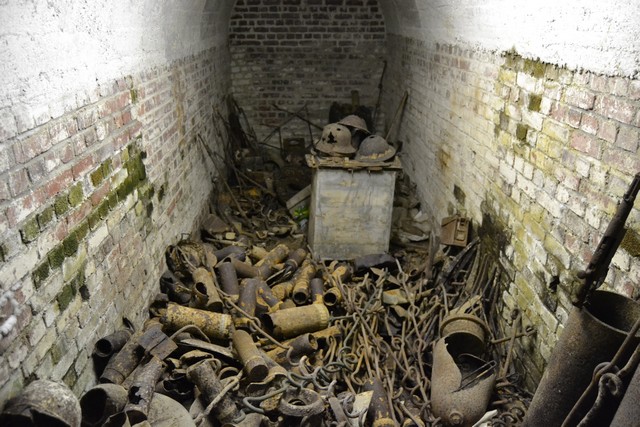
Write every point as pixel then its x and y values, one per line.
pixel 592 336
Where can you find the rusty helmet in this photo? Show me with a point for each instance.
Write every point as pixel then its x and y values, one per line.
pixel 355 122
pixel 335 140
pixel 48 402
pixel 375 148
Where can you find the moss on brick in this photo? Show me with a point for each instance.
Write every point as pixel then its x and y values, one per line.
pixel 65 296
pixel 534 67
pixel 97 177
pixel 134 95
pixel 45 217
pixel 107 167
pixel 631 243
pixel 76 195
pixel 30 231
pixel 94 219
pixel 82 230
pixel 103 209
pixel 61 205
pixel 521 132
pixel 40 274
pixel 124 156
pixel 534 103
pixel 112 199
pixel 56 257
pixel 70 244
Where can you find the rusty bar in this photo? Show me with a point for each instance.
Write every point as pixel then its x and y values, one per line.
pixel 204 284
pixel 292 322
pixel 214 325
pixel 142 389
pixel 252 361
pixel 229 280
pixel 204 377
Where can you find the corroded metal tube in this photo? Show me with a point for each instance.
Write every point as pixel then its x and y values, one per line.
pixel 246 270
pixel 112 343
pixel 142 389
pixel 247 302
pixel 316 288
pixel 379 414
pixel 123 363
pixel 274 256
pixel 300 293
pixel 252 361
pixel 204 284
pixel 283 290
pixel 299 346
pixel 292 322
pixel 101 402
pixel 214 325
pixel 265 298
pixel 229 280
pixel 332 297
pixel 204 377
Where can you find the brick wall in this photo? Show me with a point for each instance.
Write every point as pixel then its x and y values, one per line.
pixel 89 200
pixel 292 52
pixel 540 152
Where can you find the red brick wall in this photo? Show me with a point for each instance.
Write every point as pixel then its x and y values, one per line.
pixel 89 201
pixel 292 52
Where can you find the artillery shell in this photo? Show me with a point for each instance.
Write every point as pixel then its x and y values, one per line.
pixel 214 325
pixel 254 365
pixel 292 322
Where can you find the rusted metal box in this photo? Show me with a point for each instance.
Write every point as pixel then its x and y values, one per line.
pixel 351 208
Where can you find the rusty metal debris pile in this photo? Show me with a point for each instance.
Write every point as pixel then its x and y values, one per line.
pixel 249 330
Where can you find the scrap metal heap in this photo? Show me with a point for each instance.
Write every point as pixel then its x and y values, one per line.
pixel 249 330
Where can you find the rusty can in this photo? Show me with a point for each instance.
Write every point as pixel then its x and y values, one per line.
pixel 252 361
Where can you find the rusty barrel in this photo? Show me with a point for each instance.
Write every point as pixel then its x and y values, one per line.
pixel 592 336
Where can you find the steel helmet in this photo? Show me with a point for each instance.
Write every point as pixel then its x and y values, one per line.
pixel 355 122
pixel 41 403
pixel 375 148
pixel 335 140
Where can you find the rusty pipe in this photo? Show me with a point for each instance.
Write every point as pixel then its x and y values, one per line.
pixel 213 325
pixel 265 299
pixel 332 297
pixel 142 389
pixel 253 363
pixel 204 283
pixel 247 302
pixel 283 290
pixel 229 280
pixel 230 252
pixel 246 270
pixel 122 364
pixel 302 345
pixel 274 256
pixel 204 377
pixel 107 346
pixel 300 293
pixel 101 402
pixel 316 288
